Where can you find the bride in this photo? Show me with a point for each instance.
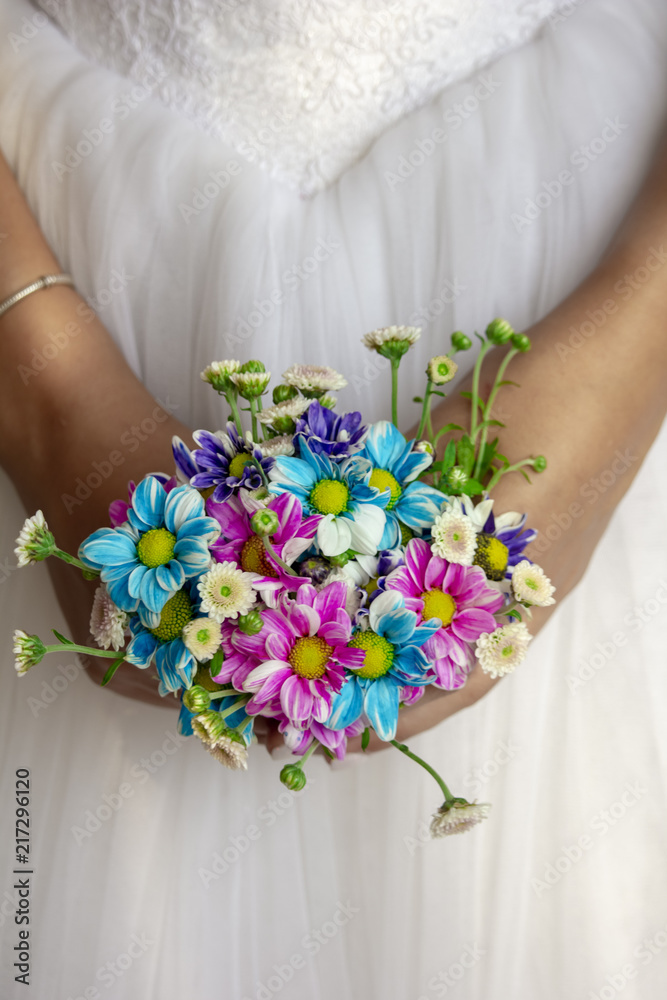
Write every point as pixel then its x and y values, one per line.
pixel 273 180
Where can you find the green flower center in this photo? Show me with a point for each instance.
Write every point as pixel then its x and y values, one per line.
pixel 238 464
pixel 156 547
pixel 203 635
pixel 254 558
pixel 383 480
pixel 225 590
pixel 330 496
pixel 379 654
pixel 406 533
pixel 176 614
pixel 437 604
pixel 309 656
pixel 442 368
pixel 492 556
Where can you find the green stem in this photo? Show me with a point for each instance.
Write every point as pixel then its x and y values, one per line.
pixel 258 466
pixel 506 610
pixel 276 558
pixel 311 750
pixel 235 707
pixel 73 561
pixel 253 418
pixel 111 671
pixel 426 411
pixel 510 468
pixel 222 694
pixel 233 406
pixel 427 767
pixel 395 362
pixel 475 388
pixel 489 406
pixel 73 648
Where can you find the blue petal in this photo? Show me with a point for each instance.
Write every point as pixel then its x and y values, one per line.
pixel 107 547
pixel 419 505
pixel 398 627
pixel 135 578
pixel 151 593
pixel 347 706
pixel 193 555
pixel 411 464
pixel 171 577
pixel 149 619
pixel 384 445
pixel 412 663
pixel 381 706
pixel 141 649
pixel 185 721
pixel 183 458
pixel 200 527
pixel 148 501
pixel 166 672
pixel 182 503
pixel 120 572
pixel 391 536
pixel 120 595
pixel 295 470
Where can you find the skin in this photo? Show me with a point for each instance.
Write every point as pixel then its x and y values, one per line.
pixel 608 395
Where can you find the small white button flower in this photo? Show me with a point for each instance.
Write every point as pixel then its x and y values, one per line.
pixel 531 585
pixel 202 637
pixel 457 816
pixel 283 444
pixel 107 621
pixel 223 743
pixel 454 537
pixel 290 409
pixel 219 373
pixel 28 650
pixel 251 384
pixel 35 542
pixel 226 592
pixel 314 378
pixel 387 336
pixel 500 652
pixel 441 369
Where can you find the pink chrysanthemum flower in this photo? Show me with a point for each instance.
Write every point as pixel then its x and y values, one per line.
pixel 238 543
pixel 459 596
pixel 303 653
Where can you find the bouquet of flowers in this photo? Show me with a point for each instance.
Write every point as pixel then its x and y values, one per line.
pixel 311 569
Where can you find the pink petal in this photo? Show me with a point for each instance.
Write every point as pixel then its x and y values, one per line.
pixel 296 699
pixel 306 595
pixel 417 556
pixel 330 600
pixel 435 573
pixel 334 633
pixel 278 646
pixel 469 625
pixel 259 677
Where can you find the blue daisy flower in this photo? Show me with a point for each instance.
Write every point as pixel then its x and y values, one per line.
pixel 164 542
pixel 331 433
pixel 396 466
pixel 351 511
pixel 393 661
pixel 222 462
pixel 163 645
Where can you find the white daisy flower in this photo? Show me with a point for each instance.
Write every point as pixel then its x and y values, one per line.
pixel 531 585
pixel 314 378
pixel 477 514
pixel 283 444
pixel 251 384
pixel 441 369
pixel 28 650
pixel 226 591
pixel 457 817
pixel 380 338
pixel 107 621
pixel 500 652
pixel 454 537
pixel 202 637
pixel 218 373
pixel 290 409
pixel 225 745
pixel 35 542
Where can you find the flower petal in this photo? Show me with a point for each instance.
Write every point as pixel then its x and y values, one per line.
pixel 148 501
pixel 381 707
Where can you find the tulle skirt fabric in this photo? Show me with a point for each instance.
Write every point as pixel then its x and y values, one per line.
pixel 159 874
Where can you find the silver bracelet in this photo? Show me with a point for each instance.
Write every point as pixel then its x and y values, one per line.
pixel 44 282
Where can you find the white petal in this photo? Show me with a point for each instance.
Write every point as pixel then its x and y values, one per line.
pixel 366 528
pixel 333 535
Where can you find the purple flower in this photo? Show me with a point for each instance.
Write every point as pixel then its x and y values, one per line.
pixel 223 461
pixel 330 434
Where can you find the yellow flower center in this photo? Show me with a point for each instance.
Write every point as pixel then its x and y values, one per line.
pixel 329 496
pixel 156 547
pixel 437 604
pixel 238 464
pixel 406 533
pixel 383 480
pixel 309 656
pixel 379 654
pixel 492 555
pixel 254 558
pixel 371 586
pixel 176 614
pixel 203 679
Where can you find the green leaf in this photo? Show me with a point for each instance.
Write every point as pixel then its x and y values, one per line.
pixel 514 613
pixel 492 423
pixel 472 488
pixel 466 454
pixel 525 475
pixel 417 399
pixel 61 638
pixel 436 392
pixel 215 664
pixel 112 670
pixel 449 458
pixel 508 381
pixel 466 395
pixel 365 738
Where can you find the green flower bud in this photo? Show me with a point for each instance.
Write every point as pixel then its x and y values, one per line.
pixel 196 699
pixel 521 342
pixel 282 393
pixel 457 477
pixel 283 425
pixel 264 522
pixel 460 342
pixel 252 623
pixel 293 777
pixel 252 366
pixel 539 463
pixel 343 558
pixel 499 331
pixel 425 447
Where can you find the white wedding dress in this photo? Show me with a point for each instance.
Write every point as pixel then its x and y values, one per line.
pixel 419 183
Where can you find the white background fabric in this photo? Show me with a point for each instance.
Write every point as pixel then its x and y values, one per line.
pixel 350 839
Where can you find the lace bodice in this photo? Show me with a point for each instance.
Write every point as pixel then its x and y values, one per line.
pixel 301 87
